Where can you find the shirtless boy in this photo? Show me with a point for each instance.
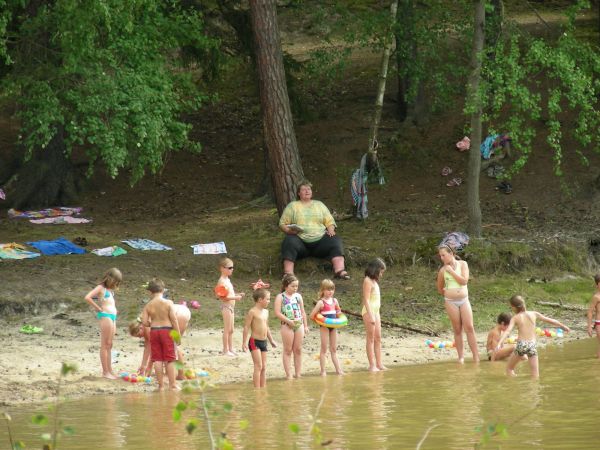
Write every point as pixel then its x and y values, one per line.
pixel 257 324
pixel 593 314
pixel 494 336
pixel 159 315
pixel 136 329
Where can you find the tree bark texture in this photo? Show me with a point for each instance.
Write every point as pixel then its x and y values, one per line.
pixel 389 42
pixel 280 139
pixel 475 103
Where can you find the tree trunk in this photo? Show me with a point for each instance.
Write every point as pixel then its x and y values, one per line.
pixel 405 50
pixel 389 41
pixel 474 102
pixel 280 139
pixel 47 179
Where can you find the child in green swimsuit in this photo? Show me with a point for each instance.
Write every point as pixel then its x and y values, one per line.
pixel 102 300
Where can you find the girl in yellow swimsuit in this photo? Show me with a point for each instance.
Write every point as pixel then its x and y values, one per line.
pixel 371 300
pixel 452 282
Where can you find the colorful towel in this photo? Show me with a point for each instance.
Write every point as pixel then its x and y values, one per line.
pixel 114 250
pixel 15 251
pixel 145 244
pixel 50 212
pixel 60 246
pixel 60 220
pixel 214 248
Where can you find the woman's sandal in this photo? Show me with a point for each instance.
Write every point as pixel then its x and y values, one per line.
pixel 342 275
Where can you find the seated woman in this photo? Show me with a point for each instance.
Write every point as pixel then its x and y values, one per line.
pixel 309 230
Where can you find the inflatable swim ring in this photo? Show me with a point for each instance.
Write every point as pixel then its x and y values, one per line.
pixel 329 322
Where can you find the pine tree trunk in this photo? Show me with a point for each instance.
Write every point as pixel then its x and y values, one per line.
pixel 475 104
pixel 280 139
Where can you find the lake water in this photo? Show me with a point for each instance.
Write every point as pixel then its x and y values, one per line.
pixel 389 410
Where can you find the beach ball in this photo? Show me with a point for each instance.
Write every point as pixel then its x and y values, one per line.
pixel 431 345
pixel 428 341
pixel 148 380
pixel 539 331
pixel 442 344
pixel 126 377
pixel 348 361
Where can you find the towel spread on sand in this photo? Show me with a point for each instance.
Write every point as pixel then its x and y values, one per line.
pixel 145 244
pixel 15 251
pixel 50 212
pixel 213 248
pixel 60 246
pixel 114 250
pixel 60 220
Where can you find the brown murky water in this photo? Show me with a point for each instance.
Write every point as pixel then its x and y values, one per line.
pixel 390 410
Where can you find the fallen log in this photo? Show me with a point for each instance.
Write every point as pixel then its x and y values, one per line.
pixel 428 332
pixel 562 306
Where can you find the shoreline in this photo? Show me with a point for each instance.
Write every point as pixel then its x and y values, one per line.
pixel 30 364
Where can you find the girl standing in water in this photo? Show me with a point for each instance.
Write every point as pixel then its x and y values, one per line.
pixel 452 282
pixel 371 300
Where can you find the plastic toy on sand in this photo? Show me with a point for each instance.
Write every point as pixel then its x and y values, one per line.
pixel 260 284
pixel 548 332
pixel 135 378
pixel 193 304
pixel 440 344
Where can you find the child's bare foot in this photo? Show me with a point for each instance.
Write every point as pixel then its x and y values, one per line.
pixel 341 372
pixel 373 369
pixel 180 377
pixel 231 354
pixel 297 375
pixel 511 373
pixel 289 377
pixel 174 387
pixel 382 367
pixel 461 360
pixel 323 374
pixel 110 376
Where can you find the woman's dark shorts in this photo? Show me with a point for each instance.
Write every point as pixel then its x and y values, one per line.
pixel 293 248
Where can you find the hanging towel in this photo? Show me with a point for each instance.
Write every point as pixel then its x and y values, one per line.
pixel 213 248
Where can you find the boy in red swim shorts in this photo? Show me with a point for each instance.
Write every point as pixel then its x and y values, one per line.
pixel 159 315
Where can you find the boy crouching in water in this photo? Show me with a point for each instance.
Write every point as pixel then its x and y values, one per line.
pixel 494 336
pixel 257 323
pixel 159 315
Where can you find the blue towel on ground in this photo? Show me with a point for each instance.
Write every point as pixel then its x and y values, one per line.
pixel 60 246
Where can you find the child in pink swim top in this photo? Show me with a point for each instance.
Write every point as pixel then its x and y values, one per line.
pixel 526 348
pixel 227 304
pixel 593 314
pixel 102 300
pixel 328 306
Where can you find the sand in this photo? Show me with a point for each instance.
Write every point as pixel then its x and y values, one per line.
pixel 30 364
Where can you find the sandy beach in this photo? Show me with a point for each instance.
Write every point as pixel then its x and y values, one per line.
pixel 30 364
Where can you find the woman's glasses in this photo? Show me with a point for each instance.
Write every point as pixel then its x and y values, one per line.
pixel 229 268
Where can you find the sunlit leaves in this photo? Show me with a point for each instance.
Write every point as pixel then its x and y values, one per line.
pixel 107 72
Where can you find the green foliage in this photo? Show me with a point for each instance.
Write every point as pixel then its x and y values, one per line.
pixel 490 432
pixel 532 79
pixel 107 72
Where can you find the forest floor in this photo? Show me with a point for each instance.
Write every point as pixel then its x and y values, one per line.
pixel 547 236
